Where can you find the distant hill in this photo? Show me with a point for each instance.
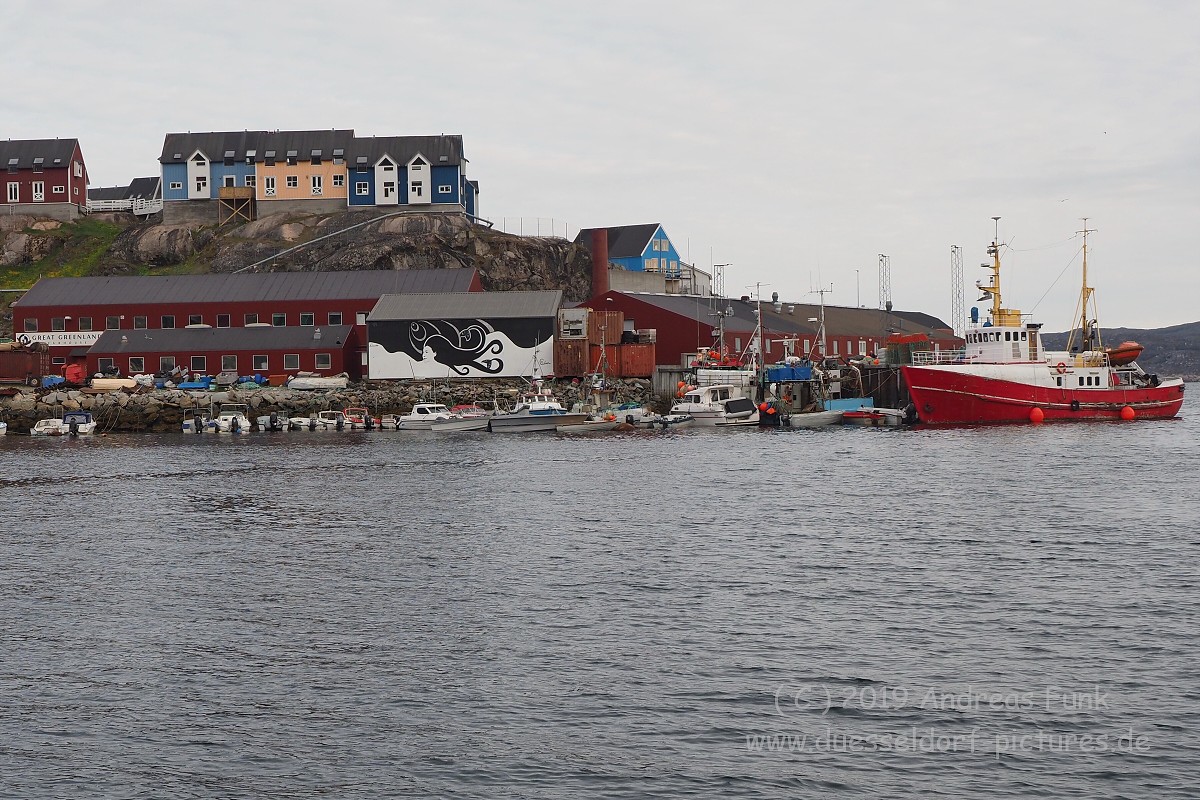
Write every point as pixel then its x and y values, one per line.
pixel 1170 352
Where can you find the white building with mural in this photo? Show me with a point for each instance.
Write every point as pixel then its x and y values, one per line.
pixel 462 335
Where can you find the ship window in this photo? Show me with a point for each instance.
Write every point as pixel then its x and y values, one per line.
pixel 1059 379
pixel 1024 336
pixel 1008 336
pixel 1081 381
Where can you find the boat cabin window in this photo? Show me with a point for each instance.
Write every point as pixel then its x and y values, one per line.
pixel 1059 379
pixel 1024 336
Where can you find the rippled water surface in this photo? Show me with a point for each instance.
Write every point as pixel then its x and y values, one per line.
pixel 1001 612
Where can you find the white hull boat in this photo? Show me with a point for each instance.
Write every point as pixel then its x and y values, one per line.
pixel 813 419
pixel 422 417
pixel 319 382
pixel 78 423
pixel 721 403
pixel 459 424
pixel 589 426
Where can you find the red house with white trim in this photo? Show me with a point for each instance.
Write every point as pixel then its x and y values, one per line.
pixel 43 178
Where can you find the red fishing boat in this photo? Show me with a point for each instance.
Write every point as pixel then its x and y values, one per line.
pixel 1004 374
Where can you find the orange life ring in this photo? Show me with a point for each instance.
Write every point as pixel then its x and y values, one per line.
pixel 1060 368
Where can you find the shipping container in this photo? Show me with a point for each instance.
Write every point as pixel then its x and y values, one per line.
pixel 571 358
pixel 22 366
pixel 573 322
pixel 605 327
pixel 612 358
pixel 637 360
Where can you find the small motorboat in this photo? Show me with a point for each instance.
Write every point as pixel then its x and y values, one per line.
pixel 1124 353
pixel 3 427
pixel 310 381
pixel 271 422
pixel 538 410
pixel 589 426
pixel 422 417
pixel 232 418
pixel 73 423
pixel 463 417
pixel 359 418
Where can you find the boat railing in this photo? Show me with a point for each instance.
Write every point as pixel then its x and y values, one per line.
pixel 922 358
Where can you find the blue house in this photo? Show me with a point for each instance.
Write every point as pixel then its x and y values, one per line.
pixel 410 171
pixel 638 248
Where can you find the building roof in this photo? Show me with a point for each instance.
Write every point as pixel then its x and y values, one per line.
pixel 145 188
pixel 240 145
pixel 180 340
pixel 243 288
pixel 624 241
pixel 463 305
pixel 243 146
pixel 439 150
pixel 55 153
pixel 839 320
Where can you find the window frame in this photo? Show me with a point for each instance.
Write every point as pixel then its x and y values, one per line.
pixel 164 319
pixel 319 357
pixel 202 361
pixel 141 323
pixel 140 369
pixel 225 362
pixel 255 360
pixel 291 362
pixel 311 316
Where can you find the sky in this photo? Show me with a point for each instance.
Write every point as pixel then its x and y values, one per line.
pixel 794 141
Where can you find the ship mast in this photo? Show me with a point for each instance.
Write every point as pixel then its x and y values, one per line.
pixel 993 288
pixel 1087 327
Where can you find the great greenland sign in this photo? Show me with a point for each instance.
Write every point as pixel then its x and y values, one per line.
pixel 74 339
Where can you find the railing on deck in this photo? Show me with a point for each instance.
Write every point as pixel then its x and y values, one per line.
pixel 927 357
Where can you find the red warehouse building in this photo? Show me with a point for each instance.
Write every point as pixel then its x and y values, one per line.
pixel 685 324
pixel 70 314
pixel 324 350
pixel 44 178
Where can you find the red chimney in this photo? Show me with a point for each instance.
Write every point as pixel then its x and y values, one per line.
pixel 599 261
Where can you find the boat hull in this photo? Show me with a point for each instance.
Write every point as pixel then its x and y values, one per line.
pixel 522 423
pixel 949 396
pixel 459 425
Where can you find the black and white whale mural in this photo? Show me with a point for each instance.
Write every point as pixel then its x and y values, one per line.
pixel 461 348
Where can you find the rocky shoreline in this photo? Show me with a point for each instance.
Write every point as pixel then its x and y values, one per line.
pixel 145 410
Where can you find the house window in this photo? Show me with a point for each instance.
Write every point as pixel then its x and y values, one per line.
pixel 308 318
pixel 166 363
pixel 140 323
pixel 279 320
pixel 39 164
pixel 291 361
pixel 315 158
pixel 58 323
pixel 651 265
pixel 415 189
pixel 361 188
pixel 168 321
pixel 230 181
pixel 269 186
pixel 835 347
pixel 250 181
pixel 85 323
pixel 251 319
pixel 78 170
pixel 335 318
pixel 228 363
pixel 195 319
pixel 339 180
pixel 199 364
pixel 112 323
pixel 258 363
pixel 360 318
pixel 222 320
pixel 137 365
pixel 58 360
pixel 14 192
pixel 318 186
pixel 59 190
pixel 30 325
pixel 293 181
pixel 445 189
pixel 174 185
pixel 201 183
pixel 105 364
pixel 323 361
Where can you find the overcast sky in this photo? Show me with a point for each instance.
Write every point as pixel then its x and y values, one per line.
pixel 795 141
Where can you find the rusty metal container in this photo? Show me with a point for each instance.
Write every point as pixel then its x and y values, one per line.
pixel 18 366
pixel 637 360
pixel 571 358
pixel 605 327
pixel 612 358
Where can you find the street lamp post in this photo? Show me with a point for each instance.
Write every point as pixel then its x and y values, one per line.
pixel 857 291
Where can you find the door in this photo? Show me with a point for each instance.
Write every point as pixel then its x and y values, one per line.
pixel 39 191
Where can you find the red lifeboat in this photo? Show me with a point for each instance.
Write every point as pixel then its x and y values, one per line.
pixel 1124 353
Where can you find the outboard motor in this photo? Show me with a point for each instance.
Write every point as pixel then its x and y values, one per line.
pixel 73 428
pixel 370 421
pixel 341 423
pixel 312 423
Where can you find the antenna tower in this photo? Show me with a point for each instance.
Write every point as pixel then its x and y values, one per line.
pixel 958 309
pixel 885 281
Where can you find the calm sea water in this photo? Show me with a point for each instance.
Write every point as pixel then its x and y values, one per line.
pixel 1000 612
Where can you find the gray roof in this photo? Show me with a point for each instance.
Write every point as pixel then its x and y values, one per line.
pixel 179 340
pixel 403 148
pixel 255 145
pixel 55 153
pixel 624 241
pixel 178 147
pixel 841 320
pixel 147 188
pixel 462 305
pixel 249 287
